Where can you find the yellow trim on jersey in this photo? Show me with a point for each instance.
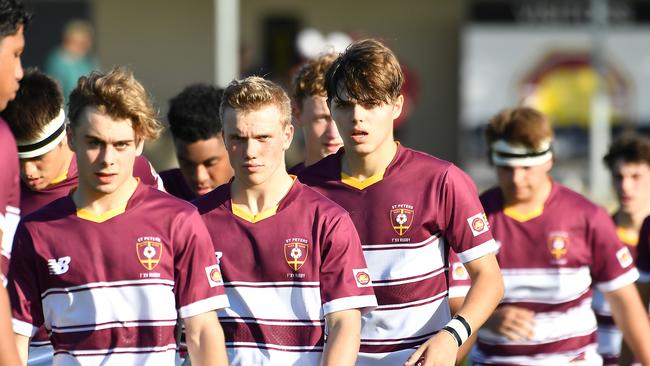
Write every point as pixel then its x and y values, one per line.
pixel 242 212
pixel 60 178
pixel 630 238
pixel 101 217
pixel 521 216
pixel 362 184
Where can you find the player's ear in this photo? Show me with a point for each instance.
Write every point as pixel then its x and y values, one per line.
pixel 287 135
pixel 139 145
pixel 398 103
pixel 69 136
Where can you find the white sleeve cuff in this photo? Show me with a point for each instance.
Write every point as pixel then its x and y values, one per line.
pixel 478 251
pixel 364 303
pixel 23 328
pixel 204 306
pixel 458 291
pixel 644 276
pixel 623 280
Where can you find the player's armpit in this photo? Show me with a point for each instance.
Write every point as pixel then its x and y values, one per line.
pixel 344 333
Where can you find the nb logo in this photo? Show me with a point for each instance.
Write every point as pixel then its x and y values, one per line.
pixel 59 266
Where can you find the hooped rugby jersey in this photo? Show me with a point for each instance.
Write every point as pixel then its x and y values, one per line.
pixel 408 219
pixel 284 270
pixel 550 260
pixel 41 351
pixel 9 195
pixel 109 288
pixel 608 334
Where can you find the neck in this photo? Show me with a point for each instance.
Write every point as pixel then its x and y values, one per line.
pixel 67 160
pixel 97 202
pixel 312 158
pixel 364 166
pixel 261 197
pixel 631 221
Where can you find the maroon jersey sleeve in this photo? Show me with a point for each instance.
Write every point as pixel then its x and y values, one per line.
pixel 344 279
pixel 613 265
pixel 26 306
pixel 199 286
pixel 459 280
pixel 643 251
pixel 9 194
pixel 462 218
pixel 143 169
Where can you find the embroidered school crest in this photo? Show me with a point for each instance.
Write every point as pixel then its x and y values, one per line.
pixel 401 218
pixel 149 252
pixel 558 244
pixel 295 253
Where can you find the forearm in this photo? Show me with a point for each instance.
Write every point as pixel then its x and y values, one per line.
pixel 342 346
pixel 22 344
pixel 205 342
pixel 8 353
pixel 484 295
pixel 632 318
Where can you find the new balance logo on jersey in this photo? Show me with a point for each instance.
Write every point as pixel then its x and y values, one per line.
pixel 59 266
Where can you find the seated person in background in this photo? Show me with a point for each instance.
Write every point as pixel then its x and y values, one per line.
pixel 202 158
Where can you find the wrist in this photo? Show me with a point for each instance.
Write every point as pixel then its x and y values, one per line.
pixel 459 329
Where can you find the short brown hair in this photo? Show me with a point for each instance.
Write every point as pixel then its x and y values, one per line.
pixel 119 95
pixel 253 93
pixel 368 71
pixel 630 148
pixel 523 126
pixel 309 80
pixel 38 101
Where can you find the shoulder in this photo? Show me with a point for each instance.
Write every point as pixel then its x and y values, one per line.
pixel 310 199
pixel 574 200
pixel 163 200
pixel 7 142
pixel 326 168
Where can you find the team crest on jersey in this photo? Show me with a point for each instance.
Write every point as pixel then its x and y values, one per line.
pixel 296 251
pixel 401 218
pixel 362 277
pixel 149 249
pixel 478 224
pixel 558 244
pixel 458 272
pixel 624 257
pixel 214 275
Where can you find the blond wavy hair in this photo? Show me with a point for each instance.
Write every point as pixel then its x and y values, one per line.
pixel 253 93
pixel 119 95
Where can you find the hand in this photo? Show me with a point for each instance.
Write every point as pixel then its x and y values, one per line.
pixel 439 350
pixel 512 322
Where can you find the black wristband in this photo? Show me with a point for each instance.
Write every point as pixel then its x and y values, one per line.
pixel 465 324
pixel 455 334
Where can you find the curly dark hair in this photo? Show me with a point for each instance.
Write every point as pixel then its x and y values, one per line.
pixel 38 101
pixel 194 113
pixel 12 15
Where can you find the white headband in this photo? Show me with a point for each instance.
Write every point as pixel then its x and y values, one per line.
pixel 506 154
pixel 49 137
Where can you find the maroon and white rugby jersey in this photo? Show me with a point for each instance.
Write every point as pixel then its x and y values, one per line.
pixel 608 334
pixel 549 261
pixel 109 288
pixel 407 219
pixel 284 270
pixel 9 194
pixel 31 200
